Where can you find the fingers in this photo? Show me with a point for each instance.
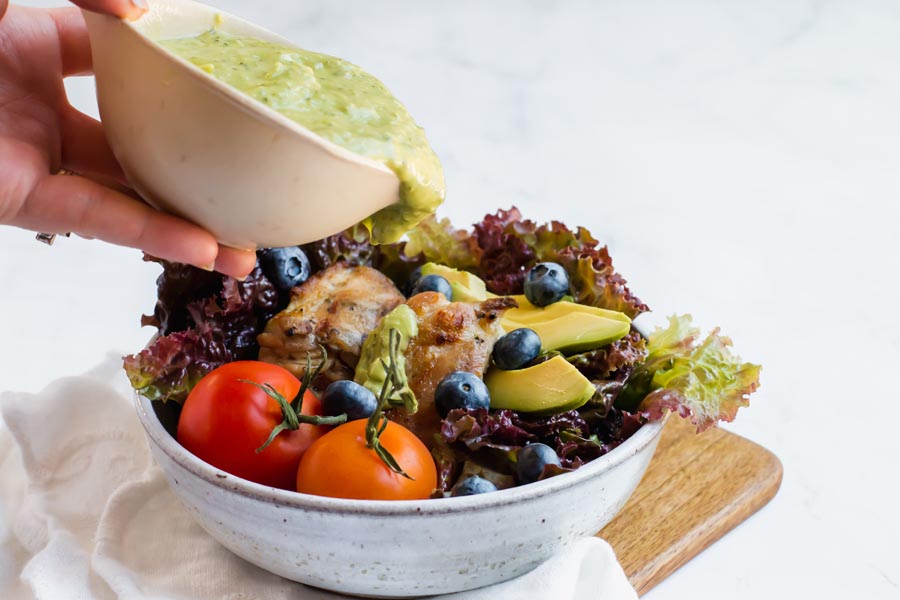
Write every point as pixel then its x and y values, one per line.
pixel 62 203
pixel 3 5
pixel 126 9
pixel 74 45
pixel 234 262
pixel 84 147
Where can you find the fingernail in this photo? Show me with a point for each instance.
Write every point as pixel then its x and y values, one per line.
pixel 210 267
pixel 141 4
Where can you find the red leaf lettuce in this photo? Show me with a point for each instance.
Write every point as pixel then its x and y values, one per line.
pixel 492 439
pixel 204 320
pixel 171 365
pixel 503 246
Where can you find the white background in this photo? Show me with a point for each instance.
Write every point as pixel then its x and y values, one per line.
pixel 742 161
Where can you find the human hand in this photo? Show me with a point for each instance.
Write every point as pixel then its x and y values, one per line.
pixel 41 133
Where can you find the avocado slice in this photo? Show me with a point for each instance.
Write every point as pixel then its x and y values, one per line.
pixel 568 327
pixel 466 286
pixel 551 387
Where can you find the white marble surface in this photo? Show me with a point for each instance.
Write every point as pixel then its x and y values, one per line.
pixel 740 159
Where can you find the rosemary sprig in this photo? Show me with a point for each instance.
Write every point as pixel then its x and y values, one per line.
pixel 394 382
pixel 291 410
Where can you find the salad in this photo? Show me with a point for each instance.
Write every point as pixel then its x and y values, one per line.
pixel 452 363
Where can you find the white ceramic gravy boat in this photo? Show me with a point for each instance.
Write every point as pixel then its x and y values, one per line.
pixel 193 146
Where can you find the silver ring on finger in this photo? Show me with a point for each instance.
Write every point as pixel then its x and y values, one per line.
pixel 49 238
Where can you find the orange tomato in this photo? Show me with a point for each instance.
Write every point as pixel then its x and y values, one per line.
pixel 340 465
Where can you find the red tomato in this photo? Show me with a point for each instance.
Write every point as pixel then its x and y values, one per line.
pixel 340 465
pixel 224 420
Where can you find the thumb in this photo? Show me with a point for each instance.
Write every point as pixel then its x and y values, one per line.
pixel 126 9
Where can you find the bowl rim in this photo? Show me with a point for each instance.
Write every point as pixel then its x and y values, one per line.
pixel 280 498
pixel 242 100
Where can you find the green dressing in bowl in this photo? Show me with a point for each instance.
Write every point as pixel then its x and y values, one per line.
pixel 339 102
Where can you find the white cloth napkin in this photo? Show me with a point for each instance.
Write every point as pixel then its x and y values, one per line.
pixel 84 513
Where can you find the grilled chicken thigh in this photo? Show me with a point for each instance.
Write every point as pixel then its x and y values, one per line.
pixel 453 336
pixel 335 308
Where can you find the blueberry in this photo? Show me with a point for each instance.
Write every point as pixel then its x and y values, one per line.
pixel 411 280
pixel 532 460
pixel 348 397
pixel 471 486
pixel 285 267
pixel 461 390
pixel 433 283
pixel 546 283
pixel 516 349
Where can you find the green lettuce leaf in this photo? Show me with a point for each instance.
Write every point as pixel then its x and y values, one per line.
pixel 439 242
pixel 702 381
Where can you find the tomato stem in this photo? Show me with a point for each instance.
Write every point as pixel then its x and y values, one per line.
pixel 291 411
pixel 308 376
pixel 394 382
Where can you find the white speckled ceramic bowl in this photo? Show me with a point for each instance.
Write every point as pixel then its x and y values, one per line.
pixel 193 146
pixel 386 549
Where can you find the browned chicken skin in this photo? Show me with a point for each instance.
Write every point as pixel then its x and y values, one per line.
pixel 335 308
pixel 453 336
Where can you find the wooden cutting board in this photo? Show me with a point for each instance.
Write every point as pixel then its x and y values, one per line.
pixel 696 489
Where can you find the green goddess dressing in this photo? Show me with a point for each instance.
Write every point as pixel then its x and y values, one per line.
pixel 370 371
pixel 339 102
